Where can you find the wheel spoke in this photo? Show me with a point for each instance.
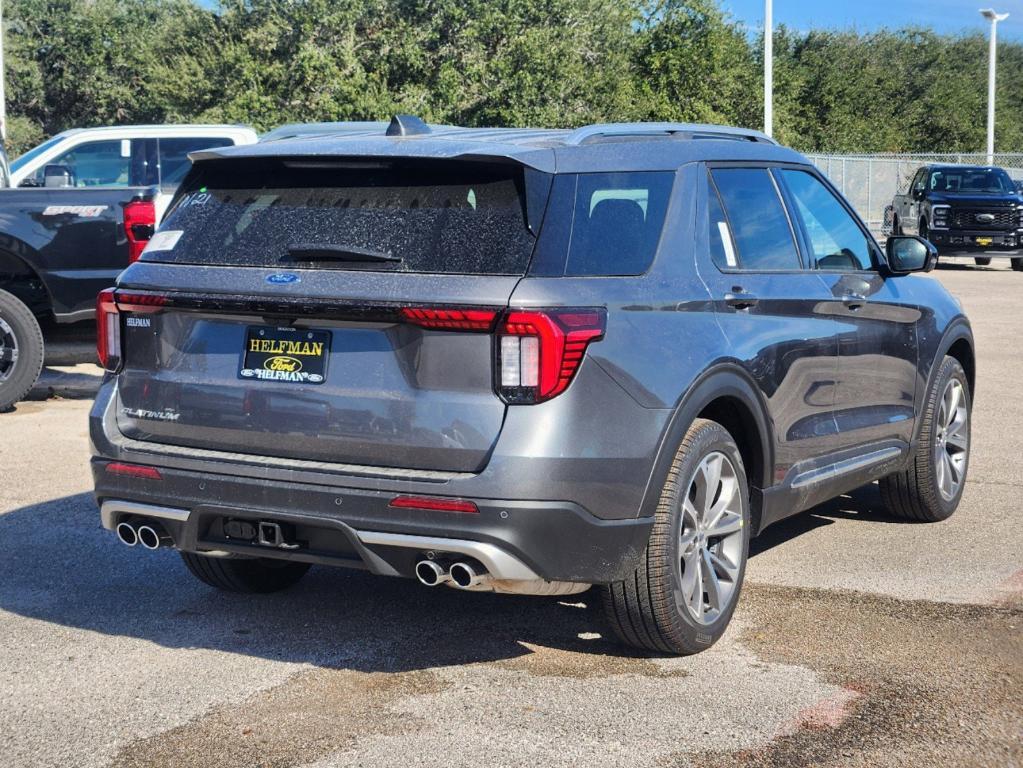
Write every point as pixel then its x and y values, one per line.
pixel 724 566
pixel 952 412
pixel 728 523
pixel 729 488
pixel 947 484
pixel 956 440
pixel 690 574
pixel 711 583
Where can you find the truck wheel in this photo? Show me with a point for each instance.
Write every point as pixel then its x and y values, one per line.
pixel 1017 264
pixel 929 491
pixel 247 575
pixel 896 227
pixel 681 597
pixel 982 261
pixel 21 350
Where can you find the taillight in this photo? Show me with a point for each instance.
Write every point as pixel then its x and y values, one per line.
pixel 139 225
pixel 109 306
pixel 108 330
pixel 538 352
pixel 450 319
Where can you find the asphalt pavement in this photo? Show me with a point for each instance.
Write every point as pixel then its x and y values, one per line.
pixel 858 640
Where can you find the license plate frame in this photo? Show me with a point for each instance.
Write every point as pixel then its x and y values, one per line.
pixel 285 355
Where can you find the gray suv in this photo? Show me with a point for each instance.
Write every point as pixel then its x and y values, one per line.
pixel 524 361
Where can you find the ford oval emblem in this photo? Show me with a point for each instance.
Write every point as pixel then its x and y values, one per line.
pixel 282 278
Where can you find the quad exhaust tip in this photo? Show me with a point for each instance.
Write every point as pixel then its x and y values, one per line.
pixel 431 573
pixel 127 534
pixel 151 536
pixel 465 576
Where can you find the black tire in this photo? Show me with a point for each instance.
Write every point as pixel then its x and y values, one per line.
pixel 19 331
pixel 982 261
pixel 896 227
pixel 647 609
pixel 247 575
pixel 1017 264
pixel 914 494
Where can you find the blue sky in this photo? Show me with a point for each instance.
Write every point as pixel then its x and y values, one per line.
pixel 868 15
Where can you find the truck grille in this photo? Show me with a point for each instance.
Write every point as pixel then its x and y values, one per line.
pixel 976 218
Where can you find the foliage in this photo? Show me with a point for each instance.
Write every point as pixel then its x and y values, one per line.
pixel 74 63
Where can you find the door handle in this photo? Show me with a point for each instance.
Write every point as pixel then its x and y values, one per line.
pixel 739 299
pixel 853 300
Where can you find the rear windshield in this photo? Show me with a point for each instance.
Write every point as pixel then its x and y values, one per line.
pixel 441 217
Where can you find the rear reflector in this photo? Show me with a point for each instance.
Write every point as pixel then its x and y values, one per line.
pixel 539 352
pixel 450 319
pixel 434 504
pixel 134 470
pixel 139 225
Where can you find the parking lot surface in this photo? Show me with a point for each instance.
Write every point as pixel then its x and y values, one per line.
pixel 858 640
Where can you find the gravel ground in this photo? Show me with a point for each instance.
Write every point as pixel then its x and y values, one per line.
pixel 858 641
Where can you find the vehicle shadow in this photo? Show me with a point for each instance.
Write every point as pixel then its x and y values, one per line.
pixel 57 565
pixel 861 504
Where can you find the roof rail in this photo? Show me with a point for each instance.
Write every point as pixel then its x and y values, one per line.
pixel 688 130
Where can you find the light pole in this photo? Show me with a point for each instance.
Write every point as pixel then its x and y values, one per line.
pixel 994 18
pixel 768 68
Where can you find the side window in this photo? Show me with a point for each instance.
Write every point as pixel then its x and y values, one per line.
pixel 760 228
pixel 836 241
pixel 617 222
pixel 920 181
pixel 174 163
pixel 95 164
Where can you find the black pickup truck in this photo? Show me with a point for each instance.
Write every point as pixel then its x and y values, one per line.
pixel 965 210
pixel 76 211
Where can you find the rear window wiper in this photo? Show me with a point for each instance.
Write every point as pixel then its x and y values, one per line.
pixel 328 252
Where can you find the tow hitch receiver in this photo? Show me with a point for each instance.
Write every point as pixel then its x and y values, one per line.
pixel 271 535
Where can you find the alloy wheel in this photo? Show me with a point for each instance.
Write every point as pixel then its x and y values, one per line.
pixel 8 350
pixel 951 440
pixel 711 544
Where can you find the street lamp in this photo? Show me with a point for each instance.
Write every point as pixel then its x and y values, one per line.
pixel 994 18
pixel 768 68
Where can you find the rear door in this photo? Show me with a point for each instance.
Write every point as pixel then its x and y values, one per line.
pixel 329 311
pixel 770 309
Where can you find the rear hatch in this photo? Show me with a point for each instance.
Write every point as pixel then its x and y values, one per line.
pixel 337 311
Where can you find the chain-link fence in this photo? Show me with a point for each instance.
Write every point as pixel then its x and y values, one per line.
pixel 870 182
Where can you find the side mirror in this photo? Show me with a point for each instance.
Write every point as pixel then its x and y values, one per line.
pixel 58 176
pixel 918 194
pixel 910 254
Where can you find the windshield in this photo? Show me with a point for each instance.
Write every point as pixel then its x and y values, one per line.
pixel 971 180
pixel 428 216
pixel 33 153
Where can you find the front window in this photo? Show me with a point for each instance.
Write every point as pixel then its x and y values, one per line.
pixel 836 241
pixel 92 164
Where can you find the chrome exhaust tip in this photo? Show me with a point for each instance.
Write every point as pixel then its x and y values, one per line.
pixel 465 576
pixel 431 573
pixel 151 536
pixel 127 534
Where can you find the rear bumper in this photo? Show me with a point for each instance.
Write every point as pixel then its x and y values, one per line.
pixel 337 525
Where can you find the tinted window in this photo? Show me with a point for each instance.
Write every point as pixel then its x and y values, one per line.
pixel 971 180
pixel 94 164
pixel 454 217
pixel 722 250
pixel 835 239
pixel 616 222
pixel 174 162
pixel 760 228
